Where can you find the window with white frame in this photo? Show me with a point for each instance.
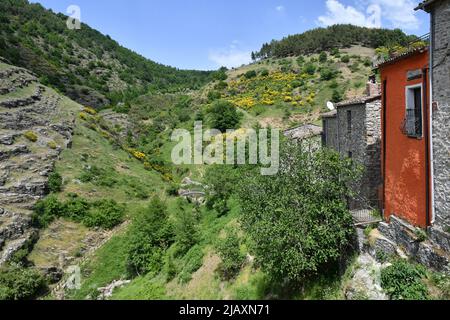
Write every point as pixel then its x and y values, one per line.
pixel 413 123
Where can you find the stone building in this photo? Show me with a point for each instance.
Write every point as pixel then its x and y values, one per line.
pixel 309 133
pixel 354 130
pixel 440 96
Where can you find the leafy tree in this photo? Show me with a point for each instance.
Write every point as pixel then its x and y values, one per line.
pixel 221 74
pixel 230 253
pixel 150 235
pixel 224 115
pixel 186 233
pixel 323 57
pixel 298 220
pixel 221 181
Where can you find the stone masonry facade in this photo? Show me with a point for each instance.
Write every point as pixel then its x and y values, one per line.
pixel 355 131
pixel 362 142
pixel 440 31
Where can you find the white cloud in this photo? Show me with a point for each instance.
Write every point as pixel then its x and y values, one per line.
pixel 280 8
pixel 396 13
pixel 231 57
pixel 337 13
pixel 400 13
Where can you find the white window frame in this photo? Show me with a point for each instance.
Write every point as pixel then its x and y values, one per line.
pixel 408 98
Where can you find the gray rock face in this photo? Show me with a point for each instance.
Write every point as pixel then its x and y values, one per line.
pixel 365 284
pixel 24 164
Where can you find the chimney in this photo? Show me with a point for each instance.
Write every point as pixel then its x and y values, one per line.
pixel 372 87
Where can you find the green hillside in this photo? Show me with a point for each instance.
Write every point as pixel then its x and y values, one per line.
pixel 333 37
pixel 84 64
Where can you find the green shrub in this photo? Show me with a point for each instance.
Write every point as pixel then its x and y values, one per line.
pixel 403 281
pixel 264 72
pixel 323 57
pixel 104 214
pixel 31 136
pixel 421 235
pixel 337 96
pixel 221 85
pixel 250 74
pixel 46 210
pixel 224 116
pixel 151 234
pixel 55 182
pixel 328 74
pixel 186 233
pixel 309 68
pixel 214 95
pixel 193 260
pixel 52 145
pixel 230 253
pixel 18 283
pixel 345 59
pixel 334 51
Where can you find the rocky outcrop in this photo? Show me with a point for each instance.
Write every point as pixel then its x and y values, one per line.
pixel 365 281
pixel 31 116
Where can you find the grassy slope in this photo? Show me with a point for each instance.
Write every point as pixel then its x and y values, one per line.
pixel 284 115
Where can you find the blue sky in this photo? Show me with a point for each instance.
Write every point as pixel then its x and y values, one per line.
pixel 205 34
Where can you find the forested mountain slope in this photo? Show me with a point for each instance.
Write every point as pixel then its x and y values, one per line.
pixel 333 37
pixel 84 64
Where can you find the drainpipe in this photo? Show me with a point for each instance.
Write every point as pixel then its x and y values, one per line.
pixel 427 147
pixel 384 137
pixel 432 33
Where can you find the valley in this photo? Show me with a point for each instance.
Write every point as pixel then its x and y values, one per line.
pixel 92 206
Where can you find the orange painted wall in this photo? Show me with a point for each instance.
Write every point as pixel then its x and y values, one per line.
pixel 404 169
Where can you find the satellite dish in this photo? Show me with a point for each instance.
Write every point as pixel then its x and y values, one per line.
pixel 330 106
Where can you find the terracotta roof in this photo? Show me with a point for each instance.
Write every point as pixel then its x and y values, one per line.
pixel 424 5
pixel 358 100
pixel 402 56
pixel 303 132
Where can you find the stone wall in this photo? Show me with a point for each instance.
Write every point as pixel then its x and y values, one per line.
pixel 440 24
pixel 373 150
pixel 363 142
pixel 398 237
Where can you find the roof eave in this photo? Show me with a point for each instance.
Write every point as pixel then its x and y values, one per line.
pixel 425 5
